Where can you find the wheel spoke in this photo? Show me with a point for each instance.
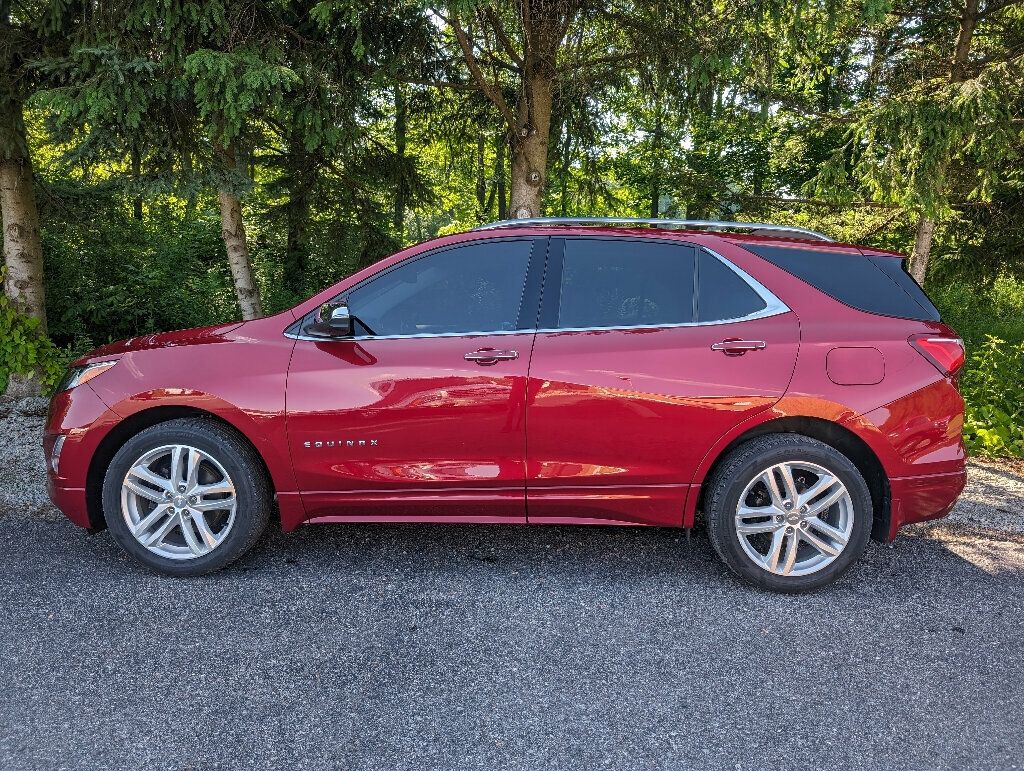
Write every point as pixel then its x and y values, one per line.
pixel 827 502
pixel 143 472
pixel 194 459
pixel 820 545
pixel 772 558
pixel 791 550
pixel 199 520
pixel 788 483
pixel 768 477
pixel 178 473
pixel 144 492
pixel 752 528
pixel 196 546
pixel 216 488
pixel 825 481
pixel 151 519
pixel 825 528
pixel 215 505
pixel 157 536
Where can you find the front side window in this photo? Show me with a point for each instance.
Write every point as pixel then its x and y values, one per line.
pixel 475 287
pixel 624 283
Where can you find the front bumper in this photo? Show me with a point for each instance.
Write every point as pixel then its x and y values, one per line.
pixel 81 417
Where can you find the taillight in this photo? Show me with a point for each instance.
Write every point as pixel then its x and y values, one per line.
pixel 946 353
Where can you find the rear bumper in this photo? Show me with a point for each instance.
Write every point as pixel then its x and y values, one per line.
pixel 918 499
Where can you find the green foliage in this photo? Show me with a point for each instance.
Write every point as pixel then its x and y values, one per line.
pixel 991 385
pixel 25 350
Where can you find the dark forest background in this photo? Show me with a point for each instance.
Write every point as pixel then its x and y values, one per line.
pixel 166 164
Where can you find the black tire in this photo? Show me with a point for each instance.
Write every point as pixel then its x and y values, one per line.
pixel 741 466
pixel 252 492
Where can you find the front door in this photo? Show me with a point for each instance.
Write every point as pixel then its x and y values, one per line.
pixel 630 381
pixel 421 415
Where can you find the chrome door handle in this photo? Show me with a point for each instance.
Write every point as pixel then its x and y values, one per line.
pixel 488 356
pixel 734 347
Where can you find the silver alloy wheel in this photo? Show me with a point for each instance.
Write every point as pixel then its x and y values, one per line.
pixel 178 502
pixel 794 518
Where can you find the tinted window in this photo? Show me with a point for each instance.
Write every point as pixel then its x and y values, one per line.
pixel 895 269
pixel 862 282
pixel 623 283
pixel 722 294
pixel 471 288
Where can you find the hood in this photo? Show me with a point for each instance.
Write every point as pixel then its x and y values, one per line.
pixel 199 335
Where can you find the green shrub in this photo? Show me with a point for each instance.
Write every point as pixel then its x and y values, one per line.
pixel 25 350
pixel 993 386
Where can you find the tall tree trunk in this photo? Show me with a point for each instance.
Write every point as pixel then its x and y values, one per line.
pixel 232 230
pixel 922 248
pixel 530 148
pixel 957 74
pixel 656 171
pixel 500 151
pixel 398 216
pixel 23 248
pixel 481 178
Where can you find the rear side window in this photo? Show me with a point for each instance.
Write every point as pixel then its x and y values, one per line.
pixel 874 284
pixel 722 295
pixel 624 283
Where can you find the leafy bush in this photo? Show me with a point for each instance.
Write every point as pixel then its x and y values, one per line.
pixel 25 350
pixel 992 385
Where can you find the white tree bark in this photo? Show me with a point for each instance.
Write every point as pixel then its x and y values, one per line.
pixel 22 244
pixel 232 230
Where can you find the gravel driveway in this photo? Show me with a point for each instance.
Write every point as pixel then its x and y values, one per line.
pixel 415 647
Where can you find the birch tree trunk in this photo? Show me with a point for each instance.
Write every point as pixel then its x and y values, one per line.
pixel 23 248
pixel 232 230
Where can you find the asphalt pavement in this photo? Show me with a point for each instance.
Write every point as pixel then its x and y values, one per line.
pixel 419 646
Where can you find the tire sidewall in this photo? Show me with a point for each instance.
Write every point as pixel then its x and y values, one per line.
pixel 249 493
pixel 734 481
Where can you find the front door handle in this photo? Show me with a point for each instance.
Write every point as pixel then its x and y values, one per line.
pixel 736 347
pixel 485 357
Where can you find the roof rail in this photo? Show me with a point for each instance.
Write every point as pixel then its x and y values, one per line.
pixel 655 223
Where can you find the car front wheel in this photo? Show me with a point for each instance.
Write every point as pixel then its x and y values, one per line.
pixel 186 497
pixel 788 513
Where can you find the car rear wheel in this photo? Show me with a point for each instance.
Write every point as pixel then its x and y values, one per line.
pixel 186 497
pixel 788 513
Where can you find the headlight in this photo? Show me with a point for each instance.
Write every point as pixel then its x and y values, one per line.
pixel 78 375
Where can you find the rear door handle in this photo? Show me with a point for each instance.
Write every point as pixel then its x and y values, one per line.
pixel 488 356
pixel 736 347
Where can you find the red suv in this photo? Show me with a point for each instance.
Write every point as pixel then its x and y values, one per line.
pixel 797 394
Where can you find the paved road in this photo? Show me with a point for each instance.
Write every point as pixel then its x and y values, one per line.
pixel 508 647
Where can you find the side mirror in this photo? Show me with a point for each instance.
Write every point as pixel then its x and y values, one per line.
pixel 332 320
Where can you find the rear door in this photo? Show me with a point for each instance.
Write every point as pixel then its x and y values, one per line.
pixel 648 352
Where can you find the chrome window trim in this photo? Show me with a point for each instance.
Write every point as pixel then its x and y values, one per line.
pixel 773 307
